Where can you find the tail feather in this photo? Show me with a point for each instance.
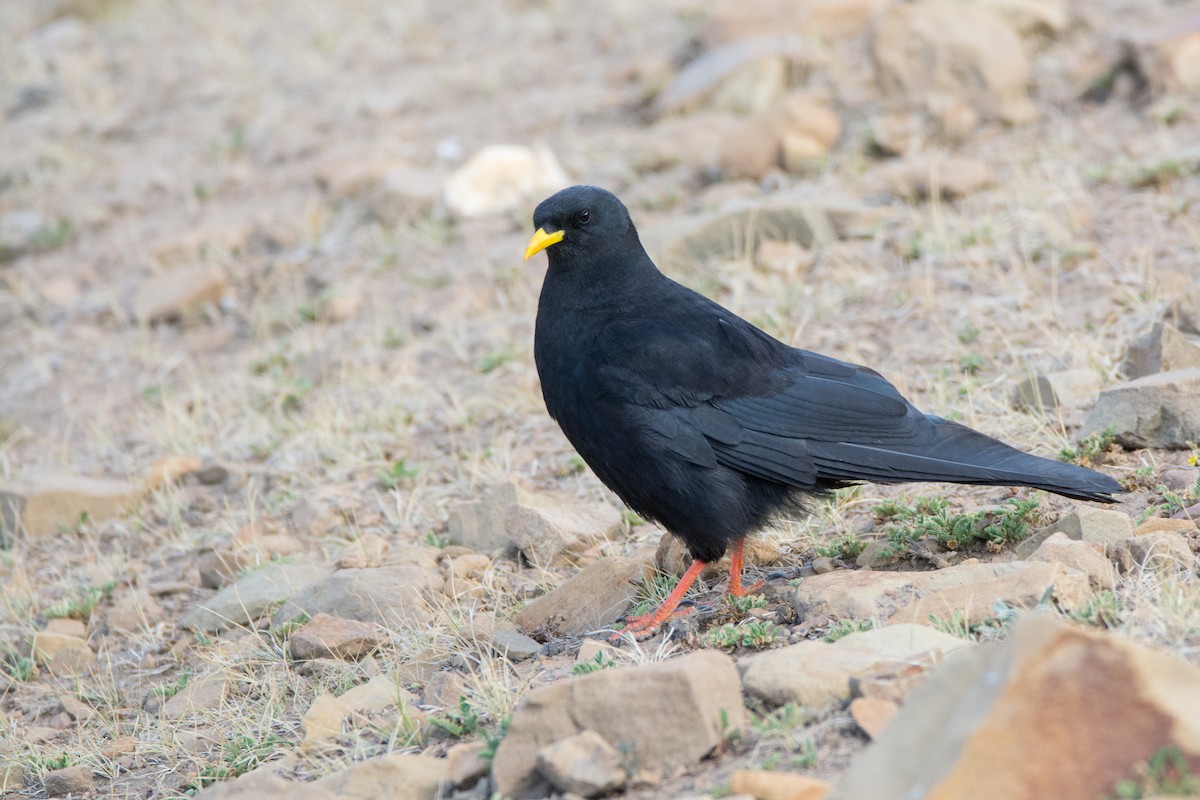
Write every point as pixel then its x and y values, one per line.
pixel 961 455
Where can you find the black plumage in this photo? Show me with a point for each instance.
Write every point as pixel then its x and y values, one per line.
pixel 706 424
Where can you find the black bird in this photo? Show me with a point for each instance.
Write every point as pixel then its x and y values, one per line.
pixel 706 424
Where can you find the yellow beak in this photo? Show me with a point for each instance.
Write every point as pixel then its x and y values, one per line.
pixel 541 240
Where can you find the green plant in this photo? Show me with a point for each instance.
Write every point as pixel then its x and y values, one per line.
pixel 18 669
pixel 1165 774
pixel 169 690
pixel 493 361
pixel 397 474
pixel 492 739
pixel 81 605
pixel 1103 609
pixel 653 592
pixel 844 545
pixel 845 627
pixel 747 602
pixel 781 722
pixel 433 540
pixel 631 518
pixel 598 662
pixel 971 363
pixel 1172 501
pixel 459 722
pixel 41 763
pixel 931 518
pixel 753 636
pixel 1091 448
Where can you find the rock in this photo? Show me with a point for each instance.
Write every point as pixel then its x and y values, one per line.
pixel 69 781
pixel 48 644
pixel 1014 721
pixel 937 176
pixel 391 190
pixel 479 524
pixel 1161 349
pixel 389 596
pixel 584 764
pixel 133 610
pixel 514 646
pixel 591 649
pixel 170 469
pixel 197 697
pixel 1163 553
pixel 1082 523
pixel 465 764
pixel 325 636
pixel 212 474
pixel 259 542
pixel 399 776
pixel 1033 17
pixel 443 690
pixel 556 534
pixel 697 695
pixel 770 785
pixel 262 782
pixel 19 231
pixel 1161 410
pixel 807 128
pixel 1167 525
pixel 872 714
pixel 1183 312
pixel 252 596
pixel 367 550
pixel 12 778
pixel 42 505
pixel 1086 557
pixel 970 589
pixel 501 178
pixel 178 293
pixel 895 134
pixel 749 148
pixel 877 553
pixel 218 567
pixel 742 225
pixel 816 674
pixel 825 19
pixel 1168 56
pixel 327 715
pixel 744 77
pixel 1069 388
pixel 589 601
pixel 961 62
pixel 823 565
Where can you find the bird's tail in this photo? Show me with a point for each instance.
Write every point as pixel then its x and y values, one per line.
pixel 961 455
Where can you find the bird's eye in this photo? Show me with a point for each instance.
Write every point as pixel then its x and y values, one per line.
pixel 583 216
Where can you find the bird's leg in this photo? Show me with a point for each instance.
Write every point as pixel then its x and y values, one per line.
pixel 735 572
pixel 646 625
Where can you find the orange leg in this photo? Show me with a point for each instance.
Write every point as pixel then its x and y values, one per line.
pixel 735 572
pixel 647 625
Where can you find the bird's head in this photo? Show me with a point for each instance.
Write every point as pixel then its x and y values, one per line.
pixel 579 220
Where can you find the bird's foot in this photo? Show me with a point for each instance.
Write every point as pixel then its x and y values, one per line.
pixel 644 626
pixel 737 590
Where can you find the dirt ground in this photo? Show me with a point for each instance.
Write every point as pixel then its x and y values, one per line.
pixel 354 333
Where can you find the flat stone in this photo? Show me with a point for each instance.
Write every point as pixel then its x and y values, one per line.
pixel 741 225
pixel 591 600
pixel 970 589
pixel 42 505
pixel 252 596
pixel 198 696
pixel 327 715
pixel 390 596
pixel 480 524
pixel 133 610
pixel 1086 557
pixel 500 178
pixel 170 469
pixel 1013 720
pixel 178 293
pixel 746 76
pixel 555 535
pixel 399 776
pixel 514 646
pixel 937 176
pixel 1163 553
pixel 1160 349
pixel 1082 523
pixel 465 764
pixel 816 674
pixel 763 784
pixel 69 781
pixel 1070 388
pixel 326 636
pixel 1160 410
pixel 872 714
pixel 584 764
pixel 697 695
pixel 1186 527
pixel 12 778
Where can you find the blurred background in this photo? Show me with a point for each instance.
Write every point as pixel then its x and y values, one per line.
pixel 260 265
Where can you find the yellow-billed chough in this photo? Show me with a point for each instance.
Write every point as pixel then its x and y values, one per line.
pixel 706 424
